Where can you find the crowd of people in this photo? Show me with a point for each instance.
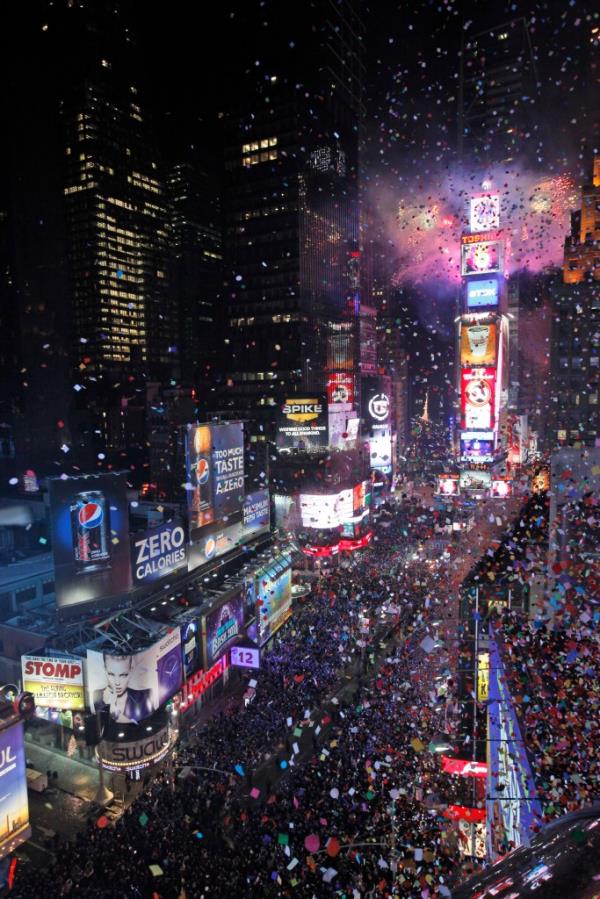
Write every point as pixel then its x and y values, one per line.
pixel 354 810
pixel 552 660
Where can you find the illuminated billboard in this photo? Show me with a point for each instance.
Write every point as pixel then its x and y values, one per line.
pixel 478 343
pixel 380 453
pixel 377 405
pixel 199 488
pixel 14 807
pixel 214 456
pixel 130 687
pixel 228 467
pixel 481 256
pixel 340 388
pixel 477 395
pixel 484 213
pixel 89 519
pixel 475 480
pixel 158 552
pixel 191 646
pixel 326 510
pixel 55 683
pixel 274 600
pixel 501 488
pixel 448 485
pixel 221 626
pixel 256 513
pixel 482 293
pixel 477 446
pixel 302 423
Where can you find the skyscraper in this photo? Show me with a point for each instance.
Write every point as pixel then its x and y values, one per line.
pixel 291 202
pixel 196 264
pixel 116 204
pixel 497 93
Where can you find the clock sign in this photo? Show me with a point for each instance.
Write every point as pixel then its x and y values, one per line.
pixel 485 212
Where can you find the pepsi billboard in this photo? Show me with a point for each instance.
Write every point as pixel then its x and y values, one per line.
pixel 158 552
pixel 256 512
pixel 89 520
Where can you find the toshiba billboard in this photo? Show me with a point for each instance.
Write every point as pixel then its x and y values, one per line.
pixel 55 683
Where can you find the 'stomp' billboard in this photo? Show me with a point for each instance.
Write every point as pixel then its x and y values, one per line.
pixel 14 807
pixel 132 687
pixel 90 538
pixel 302 423
pixel 56 683
pixel 158 552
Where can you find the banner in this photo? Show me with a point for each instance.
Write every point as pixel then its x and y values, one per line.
pixel 464 767
pixel 477 394
pixel 55 683
pixel 221 626
pixel 14 820
pixel 130 687
pixel 158 552
pixel 89 520
pixel 478 344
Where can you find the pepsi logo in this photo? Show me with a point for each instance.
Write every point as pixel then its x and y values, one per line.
pixel 210 547
pixel 90 515
pixel 202 471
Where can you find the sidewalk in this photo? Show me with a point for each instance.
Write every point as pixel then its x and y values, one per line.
pixel 74 777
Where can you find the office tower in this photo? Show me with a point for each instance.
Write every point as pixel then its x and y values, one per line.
pixel 196 264
pixel 497 93
pixel 116 204
pixel 290 202
pixel 575 353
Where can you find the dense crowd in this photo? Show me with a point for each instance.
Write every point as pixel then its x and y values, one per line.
pixel 553 665
pixel 352 811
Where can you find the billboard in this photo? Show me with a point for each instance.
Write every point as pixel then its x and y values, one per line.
pixel 477 446
pixel 501 487
pixel 484 212
pixel 482 293
pixel 221 626
pixel 326 510
pixel 477 396
pixel 377 405
pixel 199 474
pixel 478 343
pixel 274 601
pixel 228 467
pixel 475 480
pixel 513 809
pixel 256 512
pixel 130 687
pixel 380 453
pixel 14 807
pixel 56 683
pixel 89 520
pixel 340 388
pixel 302 423
pixel 448 485
pixel 482 254
pixel 158 552
pixel 214 541
pixel 245 657
pixel 190 647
